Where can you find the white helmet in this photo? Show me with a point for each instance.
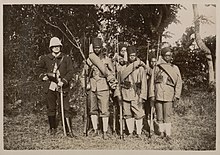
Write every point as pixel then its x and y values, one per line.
pixel 55 42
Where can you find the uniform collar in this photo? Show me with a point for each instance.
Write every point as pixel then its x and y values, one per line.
pixel 52 57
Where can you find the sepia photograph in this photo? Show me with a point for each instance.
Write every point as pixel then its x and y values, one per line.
pixel 102 76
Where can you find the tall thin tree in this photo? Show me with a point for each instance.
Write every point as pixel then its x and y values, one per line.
pixel 202 45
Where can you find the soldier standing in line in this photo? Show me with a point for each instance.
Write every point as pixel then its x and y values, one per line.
pixel 100 89
pixel 165 90
pixel 134 92
pixel 122 53
pixel 56 71
pixel 147 106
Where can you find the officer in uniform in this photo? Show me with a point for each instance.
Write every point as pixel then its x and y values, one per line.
pixel 165 90
pixel 56 70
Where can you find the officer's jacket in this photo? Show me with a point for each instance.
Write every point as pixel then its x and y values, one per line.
pixel 162 87
pixel 46 65
pixel 97 80
pixel 134 86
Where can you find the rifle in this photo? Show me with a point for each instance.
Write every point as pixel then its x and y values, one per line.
pixel 154 69
pixel 114 117
pixel 151 121
pixel 120 93
pixel 147 61
pixel 120 106
pixel 86 106
pixel 86 111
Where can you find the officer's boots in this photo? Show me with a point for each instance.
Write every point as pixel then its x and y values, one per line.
pixel 52 124
pixel 68 126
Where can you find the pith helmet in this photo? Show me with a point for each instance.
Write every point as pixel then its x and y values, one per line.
pixel 55 42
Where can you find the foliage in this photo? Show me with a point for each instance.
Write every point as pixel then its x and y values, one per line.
pixel 137 23
pixel 191 60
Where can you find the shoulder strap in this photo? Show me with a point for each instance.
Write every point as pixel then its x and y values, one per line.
pixel 169 70
pixel 58 66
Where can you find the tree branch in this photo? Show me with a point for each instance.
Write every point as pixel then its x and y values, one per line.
pixel 62 32
pixel 78 46
pixel 75 45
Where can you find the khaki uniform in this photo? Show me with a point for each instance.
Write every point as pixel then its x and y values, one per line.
pixel 99 89
pixel 164 88
pixel 130 94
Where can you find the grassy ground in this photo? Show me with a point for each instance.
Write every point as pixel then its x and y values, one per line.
pixel 193 128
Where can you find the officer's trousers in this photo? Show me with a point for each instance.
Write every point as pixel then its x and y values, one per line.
pixel 52 98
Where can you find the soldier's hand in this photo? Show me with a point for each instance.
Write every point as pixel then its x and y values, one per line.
pixel 119 98
pixel 84 92
pixel 175 100
pixel 60 84
pixel 45 78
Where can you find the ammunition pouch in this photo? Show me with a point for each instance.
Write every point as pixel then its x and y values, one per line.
pixel 159 79
pixel 126 84
pixel 138 85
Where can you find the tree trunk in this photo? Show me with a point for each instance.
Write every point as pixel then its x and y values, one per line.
pixel 202 45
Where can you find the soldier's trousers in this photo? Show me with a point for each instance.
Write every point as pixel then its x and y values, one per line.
pixel 163 111
pixel 100 103
pixel 132 108
pixel 51 98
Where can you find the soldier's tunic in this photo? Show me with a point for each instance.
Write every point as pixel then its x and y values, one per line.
pixel 48 64
pixel 164 89
pixel 99 89
pixel 137 89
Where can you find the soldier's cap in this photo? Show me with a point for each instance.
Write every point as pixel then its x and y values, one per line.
pixel 97 42
pixel 165 50
pixel 121 45
pixel 131 49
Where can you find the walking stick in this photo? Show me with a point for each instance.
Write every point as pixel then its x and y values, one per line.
pixel 62 109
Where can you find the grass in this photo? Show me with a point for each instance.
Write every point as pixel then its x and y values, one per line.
pixel 193 128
